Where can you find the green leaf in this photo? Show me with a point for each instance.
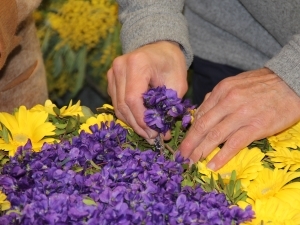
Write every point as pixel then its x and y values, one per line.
pixel 89 201
pixel 5 134
pixel 70 59
pixel 87 113
pixel 56 110
pixel 81 64
pixel 61 125
pixel 59 132
pixel 57 63
pixel 71 125
pixel 45 42
pixel 95 165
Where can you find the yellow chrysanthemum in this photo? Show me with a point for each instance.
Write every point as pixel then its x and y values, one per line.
pixel 103 117
pixel 24 125
pixel 4 203
pixel 289 138
pixel 84 22
pixel 275 183
pixel 247 164
pixel 71 110
pixel 110 107
pixel 285 158
pixel 48 107
pixel 273 211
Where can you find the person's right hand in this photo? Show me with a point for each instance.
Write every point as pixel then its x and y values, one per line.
pixel 157 64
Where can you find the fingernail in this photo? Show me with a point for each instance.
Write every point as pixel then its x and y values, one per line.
pixel 150 141
pixel 211 165
pixel 151 133
pixel 191 162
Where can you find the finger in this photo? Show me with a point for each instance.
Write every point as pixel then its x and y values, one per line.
pixel 239 140
pixel 134 96
pixel 122 109
pixel 216 136
pixel 202 124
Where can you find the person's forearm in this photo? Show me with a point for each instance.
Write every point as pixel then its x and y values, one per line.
pixel 146 22
pixel 286 64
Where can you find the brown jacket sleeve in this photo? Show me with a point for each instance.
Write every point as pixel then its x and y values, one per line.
pixel 8 28
pixel 22 72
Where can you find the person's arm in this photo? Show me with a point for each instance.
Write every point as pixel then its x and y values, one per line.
pixel 154 37
pixel 286 64
pixel 145 22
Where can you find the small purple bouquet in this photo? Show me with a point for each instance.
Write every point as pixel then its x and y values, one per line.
pixel 164 108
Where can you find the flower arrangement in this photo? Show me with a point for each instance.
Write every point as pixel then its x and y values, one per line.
pixel 79 40
pixel 70 166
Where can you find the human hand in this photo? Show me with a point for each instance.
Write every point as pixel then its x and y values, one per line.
pixel 240 109
pixel 157 64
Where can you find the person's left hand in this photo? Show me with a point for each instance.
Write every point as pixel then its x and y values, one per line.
pixel 240 109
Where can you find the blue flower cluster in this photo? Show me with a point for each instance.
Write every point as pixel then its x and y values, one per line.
pixel 58 186
pixel 163 107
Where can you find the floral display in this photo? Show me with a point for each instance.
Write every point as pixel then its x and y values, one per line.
pixel 79 40
pixel 94 169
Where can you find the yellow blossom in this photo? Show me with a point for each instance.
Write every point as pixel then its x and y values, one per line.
pixel 289 138
pixel 101 118
pixel 274 183
pixel 247 164
pixel 84 22
pixel 110 107
pixel 273 211
pixel 24 125
pixel 71 110
pixel 284 157
pixel 4 203
pixel 48 107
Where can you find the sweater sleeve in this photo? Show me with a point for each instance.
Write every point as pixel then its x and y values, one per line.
pixel 8 27
pixel 148 21
pixel 286 63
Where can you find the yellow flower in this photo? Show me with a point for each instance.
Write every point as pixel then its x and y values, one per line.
pixel 24 125
pixel 109 107
pixel 101 118
pixel 247 164
pixel 274 183
pixel 284 157
pixel 71 110
pixel 273 211
pixel 4 203
pixel 48 107
pixel 84 22
pixel 289 138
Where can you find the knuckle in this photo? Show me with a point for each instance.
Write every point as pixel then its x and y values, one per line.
pixel 130 99
pixel 199 126
pixel 233 144
pixel 135 57
pixel 214 136
pixel 224 85
pixel 117 64
pixel 122 109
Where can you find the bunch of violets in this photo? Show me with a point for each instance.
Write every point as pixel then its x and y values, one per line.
pixel 130 186
pixel 164 108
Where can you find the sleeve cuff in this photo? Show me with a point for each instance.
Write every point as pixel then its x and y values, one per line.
pixel 286 64
pixel 156 26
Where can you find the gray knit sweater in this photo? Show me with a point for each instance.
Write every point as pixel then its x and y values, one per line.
pixel 247 34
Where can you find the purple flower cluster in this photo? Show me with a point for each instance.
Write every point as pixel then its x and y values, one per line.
pixel 163 107
pixel 59 186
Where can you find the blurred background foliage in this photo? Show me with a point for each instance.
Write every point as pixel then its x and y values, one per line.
pixel 79 40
